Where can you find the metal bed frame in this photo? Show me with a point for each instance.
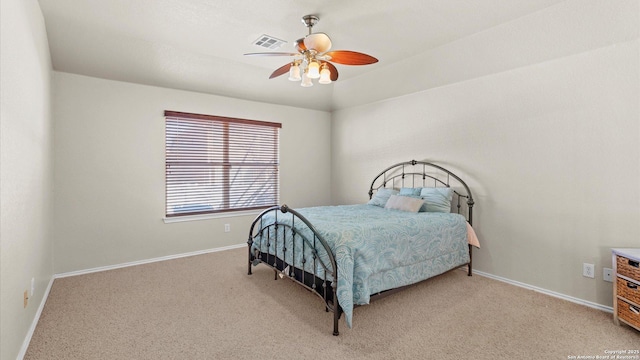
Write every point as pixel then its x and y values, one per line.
pixel 405 174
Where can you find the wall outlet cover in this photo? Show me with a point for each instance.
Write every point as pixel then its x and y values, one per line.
pixel 588 270
pixel 607 274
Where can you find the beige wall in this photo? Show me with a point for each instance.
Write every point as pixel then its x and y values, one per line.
pixel 541 116
pixel 109 178
pixel 26 169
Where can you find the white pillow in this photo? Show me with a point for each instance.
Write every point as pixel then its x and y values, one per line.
pixel 404 203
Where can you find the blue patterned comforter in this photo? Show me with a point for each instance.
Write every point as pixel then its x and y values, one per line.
pixel 376 249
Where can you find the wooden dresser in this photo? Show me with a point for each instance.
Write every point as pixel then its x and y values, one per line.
pixel 626 287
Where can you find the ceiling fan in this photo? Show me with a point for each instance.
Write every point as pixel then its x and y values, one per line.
pixel 312 61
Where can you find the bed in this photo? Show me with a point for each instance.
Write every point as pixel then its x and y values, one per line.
pixel 416 225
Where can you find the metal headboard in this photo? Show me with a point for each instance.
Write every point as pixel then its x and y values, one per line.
pixel 424 174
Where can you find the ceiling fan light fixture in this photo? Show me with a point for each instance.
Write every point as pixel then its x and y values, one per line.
pixel 325 75
pixel 294 72
pixel 306 80
pixel 314 70
pixel 313 60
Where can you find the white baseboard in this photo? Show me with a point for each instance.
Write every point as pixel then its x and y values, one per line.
pixel 590 304
pixel 34 323
pixel 146 261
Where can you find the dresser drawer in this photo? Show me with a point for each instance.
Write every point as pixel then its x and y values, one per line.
pixel 627 267
pixel 628 290
pixel 629 313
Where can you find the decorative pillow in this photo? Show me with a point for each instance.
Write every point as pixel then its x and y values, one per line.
pixel 410 191
pixel 404 203
pixel 381 196
pixel 423 208
pixel 437 199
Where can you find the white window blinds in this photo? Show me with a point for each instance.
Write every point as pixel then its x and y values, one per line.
pixel 216 164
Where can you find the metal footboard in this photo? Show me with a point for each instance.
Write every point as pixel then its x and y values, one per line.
pixel 273 238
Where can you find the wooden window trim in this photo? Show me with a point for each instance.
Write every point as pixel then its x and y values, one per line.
pixel 184 115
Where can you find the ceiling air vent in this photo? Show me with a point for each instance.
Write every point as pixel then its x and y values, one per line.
pixel 269 42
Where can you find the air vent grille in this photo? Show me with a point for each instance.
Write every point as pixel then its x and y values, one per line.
pixel 269 42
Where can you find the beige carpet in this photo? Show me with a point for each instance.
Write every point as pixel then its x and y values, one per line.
pixel 206 307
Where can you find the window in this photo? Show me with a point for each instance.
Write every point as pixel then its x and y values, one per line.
pixel 216 164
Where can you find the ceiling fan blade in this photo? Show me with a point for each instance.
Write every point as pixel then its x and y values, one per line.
pixel 319 42
pixel 272 54
pixel 347 57
pixel 333 70
pixel 300 45
pixel 281 71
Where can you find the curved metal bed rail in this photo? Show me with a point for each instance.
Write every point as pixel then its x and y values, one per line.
pixel 295 271
pixel 399 171
pixel 277 229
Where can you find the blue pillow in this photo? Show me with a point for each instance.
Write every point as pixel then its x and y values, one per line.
pixel 437 199
pixel 381 196
pixel 410 191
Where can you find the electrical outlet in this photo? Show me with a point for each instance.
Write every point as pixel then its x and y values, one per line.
pixel 33 286
pixel 227 227
pixel 607 274
pixel 26 298
pixel 588 270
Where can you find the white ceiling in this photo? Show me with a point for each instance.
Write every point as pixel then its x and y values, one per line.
pixel 198 45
